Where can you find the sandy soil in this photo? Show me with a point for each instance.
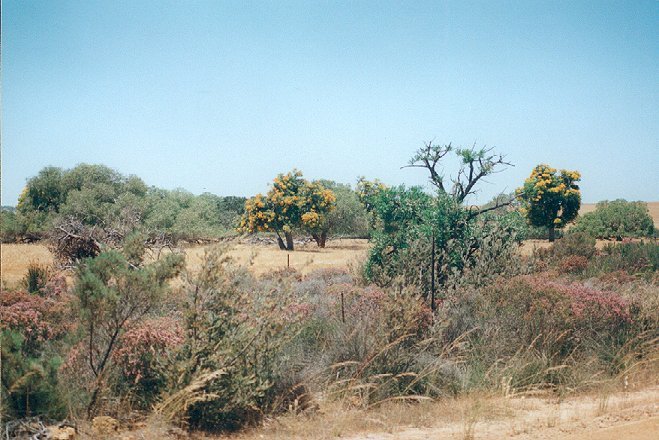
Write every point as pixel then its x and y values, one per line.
pixel 624 415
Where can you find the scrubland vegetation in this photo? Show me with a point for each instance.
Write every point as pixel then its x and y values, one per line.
pixel 444 305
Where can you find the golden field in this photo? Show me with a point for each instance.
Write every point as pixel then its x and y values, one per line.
pixel 342 253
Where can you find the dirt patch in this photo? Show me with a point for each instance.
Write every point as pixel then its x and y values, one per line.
pixel 623 415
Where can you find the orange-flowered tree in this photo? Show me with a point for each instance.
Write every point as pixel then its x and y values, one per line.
pixel 550 198
pixel 292 203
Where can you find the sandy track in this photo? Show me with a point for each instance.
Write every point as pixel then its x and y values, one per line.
pixel 632 415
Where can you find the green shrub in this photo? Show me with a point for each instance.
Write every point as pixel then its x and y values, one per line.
pixel 31 328
pixel 36 278
pixel 574 244
pixel 230 363
pixel 617 220
pixel 634 258
pixel 11 229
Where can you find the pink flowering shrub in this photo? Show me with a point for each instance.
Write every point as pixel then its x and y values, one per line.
pixel 142 353
pixel 74 373
pixel 538 310
pixel 32 327
pixel 38 318
pixel 590 304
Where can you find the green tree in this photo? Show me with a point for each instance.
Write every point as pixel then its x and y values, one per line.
pixel 347 218
pixel 550 198
pixel 45 192
pixel 617 219
pixel 426 238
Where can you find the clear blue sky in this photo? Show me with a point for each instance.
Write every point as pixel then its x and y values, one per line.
pixel 220 96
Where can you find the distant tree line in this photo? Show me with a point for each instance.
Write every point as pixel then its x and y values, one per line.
pixel 102 202
pixel 82 209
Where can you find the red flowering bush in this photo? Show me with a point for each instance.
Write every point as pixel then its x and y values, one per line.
pixel 142 353
pixel 573 264
pixel 536 310
pixel 32 326
pixel 38 318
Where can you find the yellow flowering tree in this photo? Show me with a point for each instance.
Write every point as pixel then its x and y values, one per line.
pixel 291 203
pixel 550 198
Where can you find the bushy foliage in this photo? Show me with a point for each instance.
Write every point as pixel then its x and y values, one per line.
pixel 348 218
pixel 236 328
pixel 640 258
pixel 108 205
pixel 573 264
pixel 115 290
pixel 32 326
pixel 414 225
pixel 542 332
pixel 143 356
pixel 574 244
pixel 36 278
pixel 550 199
pixel 11 228
pixel 617 220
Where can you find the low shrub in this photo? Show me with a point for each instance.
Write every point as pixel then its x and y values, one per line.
pixel 228 367
pixel 632 257
pixel 574 244
pixel 536 332
pixel 36 278
pixel 143 356
pixel 573 264
pixel 31 327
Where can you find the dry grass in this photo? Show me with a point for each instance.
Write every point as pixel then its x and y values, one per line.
pixel 339 420
pixel 17 257
pixel 259 258
pixel 263 259
pixel 476 416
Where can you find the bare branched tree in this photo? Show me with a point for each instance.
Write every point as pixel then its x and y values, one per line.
pixel 476 164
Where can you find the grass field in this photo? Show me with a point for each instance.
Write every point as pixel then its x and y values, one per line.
pixel 17 257
pixel 261 259
pixel 342 253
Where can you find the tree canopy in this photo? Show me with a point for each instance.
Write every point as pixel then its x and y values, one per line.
pixel 292 202
pixel 550 198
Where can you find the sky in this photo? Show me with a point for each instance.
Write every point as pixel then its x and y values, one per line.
pixel 220 96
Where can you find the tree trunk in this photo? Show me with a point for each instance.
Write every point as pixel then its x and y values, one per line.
pixel 280 242
pixel 289 241
pixel 320 239
pixel 552 234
